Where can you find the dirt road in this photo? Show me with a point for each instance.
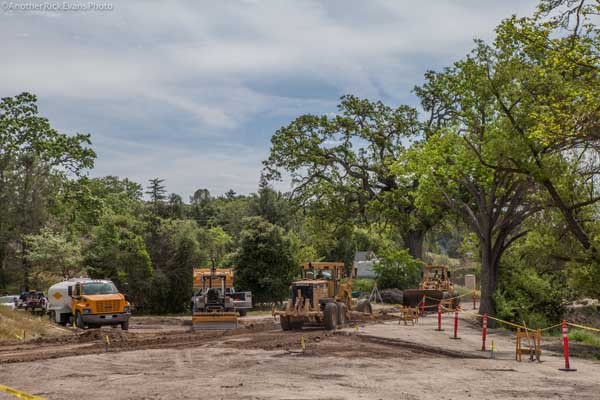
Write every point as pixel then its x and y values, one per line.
pixel 262 362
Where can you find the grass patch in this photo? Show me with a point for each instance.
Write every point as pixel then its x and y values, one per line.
pixel 584 336
pixel 362 284
pixel 577 335
pixel 14 323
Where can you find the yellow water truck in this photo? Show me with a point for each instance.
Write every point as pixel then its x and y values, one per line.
pixel 90 303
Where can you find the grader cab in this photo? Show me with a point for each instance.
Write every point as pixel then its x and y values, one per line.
pixel 319 298
pixel 435 285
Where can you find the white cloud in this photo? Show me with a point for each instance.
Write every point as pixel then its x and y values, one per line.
pixel 208 74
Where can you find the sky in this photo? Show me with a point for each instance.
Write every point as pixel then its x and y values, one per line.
pixel 192 91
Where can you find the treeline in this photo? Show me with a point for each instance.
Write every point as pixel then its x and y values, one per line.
pixel 58 223
pixel 506 143
pixel 500 165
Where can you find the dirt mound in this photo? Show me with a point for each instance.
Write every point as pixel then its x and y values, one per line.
pixel 588 315
pixel 392 296
pixel 100 335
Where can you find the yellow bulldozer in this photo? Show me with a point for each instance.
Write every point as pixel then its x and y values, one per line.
pixel 319 298
pixel 212 308
pixel 435 285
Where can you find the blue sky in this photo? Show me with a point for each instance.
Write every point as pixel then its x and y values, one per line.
pixel 192 91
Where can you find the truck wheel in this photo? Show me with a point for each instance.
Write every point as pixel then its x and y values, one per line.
pixel 364 306
pixel 330 315
pixel 243 313
pixel 285 323
pixel 341 315
pixel 125 325
pixel 79 321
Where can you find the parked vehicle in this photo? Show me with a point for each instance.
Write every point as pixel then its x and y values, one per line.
pixel 90 303
pixel 36 303
pixel 9 302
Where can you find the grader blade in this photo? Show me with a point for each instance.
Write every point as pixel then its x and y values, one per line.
pixel 214 321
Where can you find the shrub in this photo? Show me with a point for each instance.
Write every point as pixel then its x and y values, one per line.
pixel 397 269
pixel 525 294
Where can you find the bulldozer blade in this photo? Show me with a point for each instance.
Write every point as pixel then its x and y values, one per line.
pixel 214 321
pixel 413 297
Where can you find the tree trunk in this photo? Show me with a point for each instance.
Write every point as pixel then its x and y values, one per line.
pixel 413 241
pixel 489 282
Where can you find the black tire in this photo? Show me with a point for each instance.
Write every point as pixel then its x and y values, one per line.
pixel 330 316
pixel 125 325
pixel 341 315
pixel 243 313
pixel 79 321
pixel 285 323
pixel 364 306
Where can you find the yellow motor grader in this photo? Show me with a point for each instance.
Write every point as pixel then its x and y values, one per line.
pixel 319 298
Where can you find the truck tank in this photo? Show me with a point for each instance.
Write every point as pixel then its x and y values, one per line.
pixel 59 300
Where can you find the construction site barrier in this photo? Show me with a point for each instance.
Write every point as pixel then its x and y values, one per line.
pixel 455 324
pixel 534 345
pixel 536 332
pixel 483 331
pixel 439 318
pixel 18 394
pixel 525 331
pixel 565 335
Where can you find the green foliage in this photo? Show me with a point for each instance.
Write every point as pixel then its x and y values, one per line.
pixel 584 336
pixel 525 294
pixel 117 251
pixel 397 269
pixel 340 165
pixel 180 254
pixel 271 205
pixel 53 257
pixel 217 241
pixel 363 284
pixel 35 159
pixel 265 262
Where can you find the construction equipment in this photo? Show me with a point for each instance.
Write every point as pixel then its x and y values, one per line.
pixel 319 298
pixel 90 303
pixel 242 301
pixel 212 308
pixel 434 287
